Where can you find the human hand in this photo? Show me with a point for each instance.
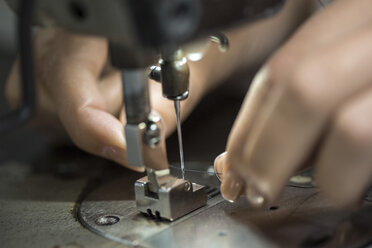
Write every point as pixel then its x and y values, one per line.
pixel 312 101
pixel 77 88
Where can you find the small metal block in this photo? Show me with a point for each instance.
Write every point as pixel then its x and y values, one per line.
pixel 172 200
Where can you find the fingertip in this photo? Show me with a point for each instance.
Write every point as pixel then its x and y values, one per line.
pixel 232 186
pixel 97 132
pixel 254 197
pixel 219 164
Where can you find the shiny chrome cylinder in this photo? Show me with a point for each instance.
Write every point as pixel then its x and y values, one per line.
pixel 175 75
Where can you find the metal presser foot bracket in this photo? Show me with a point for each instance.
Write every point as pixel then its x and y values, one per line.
pixel 164 196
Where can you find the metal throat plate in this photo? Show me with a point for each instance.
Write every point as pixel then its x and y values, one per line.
pixel 110 211
pixel 302 218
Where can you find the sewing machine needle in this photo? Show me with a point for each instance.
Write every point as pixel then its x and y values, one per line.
pixel 179 132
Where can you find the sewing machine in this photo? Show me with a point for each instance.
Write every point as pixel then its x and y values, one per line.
pixel 146 40
pixel 62 197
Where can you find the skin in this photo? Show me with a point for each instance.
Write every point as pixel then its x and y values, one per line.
pixel 311 101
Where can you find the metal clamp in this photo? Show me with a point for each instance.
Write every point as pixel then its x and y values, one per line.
pixel 143 130
pixel 164 196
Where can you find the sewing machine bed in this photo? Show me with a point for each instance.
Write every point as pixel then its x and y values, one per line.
pixel 58 196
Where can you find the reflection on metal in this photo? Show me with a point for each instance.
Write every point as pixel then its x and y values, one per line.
pixel 107 220
pixel 143 132
pixel 177 108
pixel 303 179
pixel 221 40
pixel 163 196
pixel 116 198
pixel 196 173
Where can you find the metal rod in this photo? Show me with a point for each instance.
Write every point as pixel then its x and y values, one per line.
pixel 136 95
pixel 179 132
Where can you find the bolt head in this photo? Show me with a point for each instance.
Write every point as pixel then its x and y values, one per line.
pixel 187 186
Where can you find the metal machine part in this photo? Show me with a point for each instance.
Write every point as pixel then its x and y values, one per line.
pixel 159 193
pixel 171 198
pixel 136 95
pixel 166 197
pixel 221 40
pixel 301 218
pixel 303 179
pixel 174 75
pixel 173 71
pixel 143 129
pixel 177 108
pixel 197 174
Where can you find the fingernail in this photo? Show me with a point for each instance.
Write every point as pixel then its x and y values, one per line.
pixel 254 197
pixel 218 165
pixel 120 156
pixel 231 186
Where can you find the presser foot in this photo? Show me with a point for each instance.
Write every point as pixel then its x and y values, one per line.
pixel 164 196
